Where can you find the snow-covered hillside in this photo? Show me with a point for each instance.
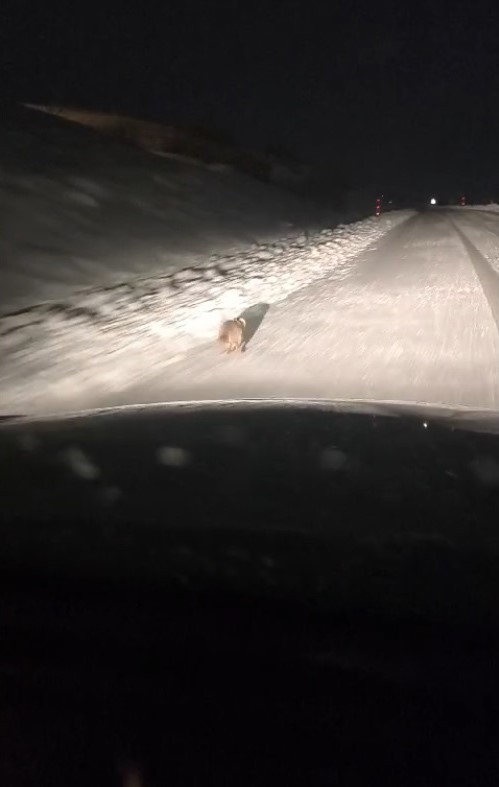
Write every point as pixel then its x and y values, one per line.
pixel 113 262
pixel 78 210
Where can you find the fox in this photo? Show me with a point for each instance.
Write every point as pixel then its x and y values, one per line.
pixel 231 335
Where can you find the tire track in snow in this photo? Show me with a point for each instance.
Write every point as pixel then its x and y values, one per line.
pixel 488 278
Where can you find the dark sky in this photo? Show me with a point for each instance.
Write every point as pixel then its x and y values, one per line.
pixel 401 95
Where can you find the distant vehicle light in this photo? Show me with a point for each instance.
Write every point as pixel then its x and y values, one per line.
pixel 433 201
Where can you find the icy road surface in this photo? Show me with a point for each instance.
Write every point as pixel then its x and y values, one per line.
pixel 410 314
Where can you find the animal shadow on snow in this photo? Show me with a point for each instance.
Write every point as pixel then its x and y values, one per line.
pixel 253 316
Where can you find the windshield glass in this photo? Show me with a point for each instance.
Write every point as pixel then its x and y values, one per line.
pixel 248 206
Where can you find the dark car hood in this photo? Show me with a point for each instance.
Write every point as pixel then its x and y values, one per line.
pixel 456 416
pixel 379 504
pixel 372 514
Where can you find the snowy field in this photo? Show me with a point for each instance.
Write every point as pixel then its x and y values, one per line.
pixel 115 262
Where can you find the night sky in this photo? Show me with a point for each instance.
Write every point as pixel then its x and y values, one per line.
pixel 400 96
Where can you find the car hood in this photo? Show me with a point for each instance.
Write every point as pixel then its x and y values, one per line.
pixel 380 505
pixel 452 415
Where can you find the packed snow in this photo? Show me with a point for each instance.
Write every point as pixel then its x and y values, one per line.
pixel 482 230
pixel 492 206
pixel 115 263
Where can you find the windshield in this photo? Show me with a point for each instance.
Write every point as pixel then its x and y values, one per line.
pixel 259 205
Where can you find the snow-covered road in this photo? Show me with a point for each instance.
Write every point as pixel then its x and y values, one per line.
pixel 95 344
pixel 410 313
pixel 414 320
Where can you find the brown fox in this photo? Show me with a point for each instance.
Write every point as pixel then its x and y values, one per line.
pixel 231 334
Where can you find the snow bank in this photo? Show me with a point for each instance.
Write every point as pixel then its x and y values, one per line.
pixel 78 210
pixel 112 337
